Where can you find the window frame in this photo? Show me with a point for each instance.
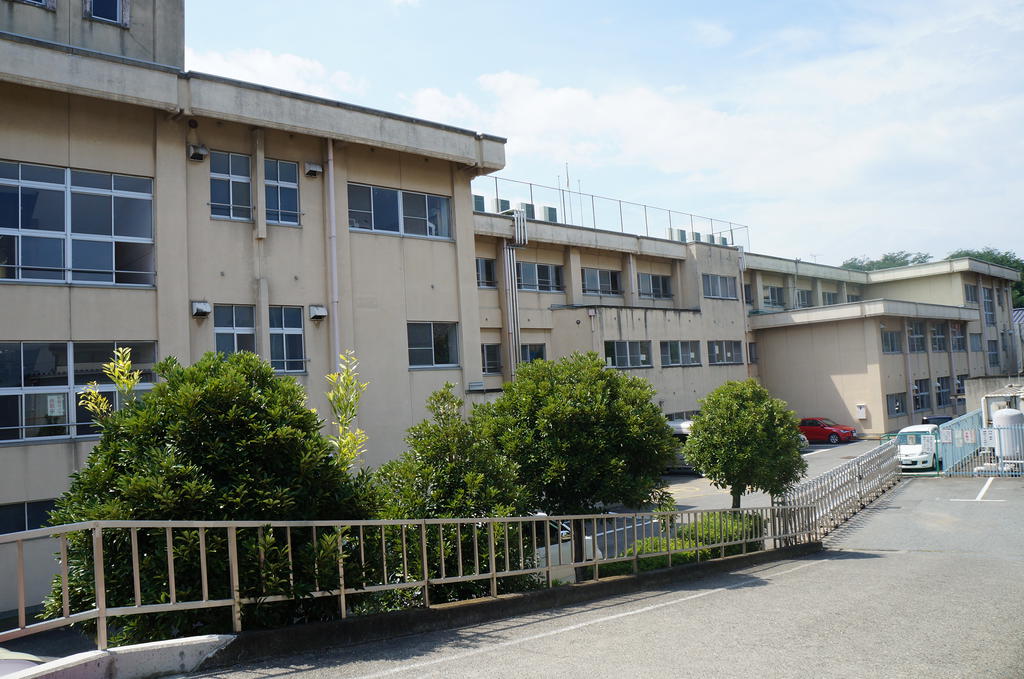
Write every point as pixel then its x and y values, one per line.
pixel 718 286
pixel 988 306
pixel 70 238
pixel 284 331
pixel 829 298
pixel 528 349
pixel 279 184
pixel 231 178
pixel 916 337
pixel 554 276
pixel 896 404
pixel 486 273
pixel 491 365
pixel 977 344
pixel 452 328
pixel 658 286
pixel 939 337
pixel 804 298
pixel 970 293
pixel 943 391
pixel 690 349
pixel 234 330
pixel 922 395
pixel 609 282
pixel 643 360
pixel 400 197
pixel 721 350
pixel 992 351
pixel 888 336
pixel 123 13
pixel 770 296
pixel 957 337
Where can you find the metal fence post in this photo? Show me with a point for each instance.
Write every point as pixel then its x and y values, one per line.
pixel 426 568
pixel 236 596
pixel 101 588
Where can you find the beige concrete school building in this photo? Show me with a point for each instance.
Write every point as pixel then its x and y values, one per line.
pixel 179 213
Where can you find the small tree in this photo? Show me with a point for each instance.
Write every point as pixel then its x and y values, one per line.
pixel 887 261
pixel 745 440
pixel 583 435
pixel 223 439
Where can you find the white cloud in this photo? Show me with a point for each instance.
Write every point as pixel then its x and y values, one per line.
pixel 897 142
pixel 286 71
pixel 711 34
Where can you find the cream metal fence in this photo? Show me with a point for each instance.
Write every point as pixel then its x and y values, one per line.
pixel 233 564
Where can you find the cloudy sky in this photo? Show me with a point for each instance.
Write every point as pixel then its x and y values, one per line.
pixel 833 128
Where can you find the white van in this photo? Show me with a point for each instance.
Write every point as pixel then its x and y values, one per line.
pixel 909 445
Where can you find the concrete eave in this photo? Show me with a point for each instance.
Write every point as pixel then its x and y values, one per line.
pixel 859 310
pixel 500 226
pixel 965 264
pixel 759 262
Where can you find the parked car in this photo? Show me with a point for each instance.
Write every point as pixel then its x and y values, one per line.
pixel 936 419
pixel 680 430
pixel 910 447
pixel 824 429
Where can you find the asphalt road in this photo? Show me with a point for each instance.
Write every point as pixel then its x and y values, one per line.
pixel 925 583
pixel 695 492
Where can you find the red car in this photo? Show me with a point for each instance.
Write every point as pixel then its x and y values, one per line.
pixel 824 429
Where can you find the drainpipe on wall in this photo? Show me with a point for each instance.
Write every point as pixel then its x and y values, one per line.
pixel 332 255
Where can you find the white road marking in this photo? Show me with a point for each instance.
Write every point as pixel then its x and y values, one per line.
pixel 982 492
pixel 824 450
pixel 571 628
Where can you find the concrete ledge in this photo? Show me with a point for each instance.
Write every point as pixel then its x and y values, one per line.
pixel 262 644
pixel 156 659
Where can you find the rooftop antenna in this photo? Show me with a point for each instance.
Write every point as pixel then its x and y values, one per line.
pixel 568 187
pixel 814 256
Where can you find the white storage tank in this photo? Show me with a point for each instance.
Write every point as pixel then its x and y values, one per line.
pixel 1009 426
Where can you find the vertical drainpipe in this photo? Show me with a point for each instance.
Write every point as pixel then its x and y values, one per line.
pixel 332 255
pixel 908 375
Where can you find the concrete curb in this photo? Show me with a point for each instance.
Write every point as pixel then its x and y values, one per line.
pixel 264 644
pixel 156 659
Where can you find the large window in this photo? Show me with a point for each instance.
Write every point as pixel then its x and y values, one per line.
pixel 971 294
pixel 374 208
pixel 532 352
pixel 655 286
pixel 601 282
pixel 803 298
pixel 892 342
pixel 956 337
pixel 234 326
pixel 281 187
pixel 287 353
pixel 752 353
pixel 854 298
pixel 433 345
pixel 961 384
pixel 230 186
pixel 915 337
pixel 922 395
pixel 113 11
pixel 774 295
pixel 993 353
pixel 942 392
pixel 988 303
pixel 719 287
pixel 25 515
pixel 680 352
pixel 485 277
pixel 829 298
pixel 976 341
pixel 39 382
pixel 939 337
pixel 73 226
pixel 724 352
pixel 896 404
pixel 490 358
pixel 539 277
pixel 628 354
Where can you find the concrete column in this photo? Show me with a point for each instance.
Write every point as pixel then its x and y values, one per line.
pixel 346 302
pixel 757 283
pixel 789 292
pixel 844 292
pixel 816 298
pixel 678 288
pixel 630 284
pixel 259 217
pixel 465 249
pixel 572 277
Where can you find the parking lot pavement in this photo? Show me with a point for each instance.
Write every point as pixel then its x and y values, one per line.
pixel 696 492
pixel 922 584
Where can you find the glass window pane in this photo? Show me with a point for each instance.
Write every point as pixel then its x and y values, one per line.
pixel 134 184
pixel 133 263
pixel 421 356
pixel 419 335
pixel 45 253
pixel 42 209
pixel 133 217
pixel 246 342
pixel 106 9
pixel 84 418
pixel 90 214
pixel 225 342
pixel 89 360
pixel 245 316
pixel 10 417
pixel 444 344
pixel 223 316
pixel 38 513
pixel 239 165
pixel 288 172
pixel 92 180
pixel 359 198
pixel 271 198
pixel 8 256
pixel 219 162
pixel 292 317
pixel 143 357
pixel 293 347
pixel 12 518
pixel 437 215
pixel 241 212
pixel 416 227
pixel 41 173
pixel 8 207
pixel 270 170
pixel 9 170
pixel 10 364
pixel 46 415
pixel 359 220
pixel 414 204
pixel 220 191
pixel 276 317
pixel 45 363
pixel 240 194
pixel 277 351
pixel 385 209
pixel 92 261
pixel 289 199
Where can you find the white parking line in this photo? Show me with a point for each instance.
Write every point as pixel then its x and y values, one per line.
pixel 981 493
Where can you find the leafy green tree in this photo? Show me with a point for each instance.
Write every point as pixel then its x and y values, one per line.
pixel 223 439
pixel 745 440
pixel 451 469
pixel 1006 258
pixel 887 261
pixel 583 435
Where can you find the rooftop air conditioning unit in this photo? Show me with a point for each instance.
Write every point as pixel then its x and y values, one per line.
pixel 500 205
pixel 723 241
pixel 696 236
pixel 550 213
pixel 711 238
pixel 528 209
pixel 479 203
pixel 677 234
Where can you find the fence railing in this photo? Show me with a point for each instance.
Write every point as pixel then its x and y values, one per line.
pixel 562 205
pixel 840 493
pixel 108 569
pixel 965 447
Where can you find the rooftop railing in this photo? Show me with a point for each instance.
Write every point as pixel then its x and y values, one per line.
pixel 562 205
